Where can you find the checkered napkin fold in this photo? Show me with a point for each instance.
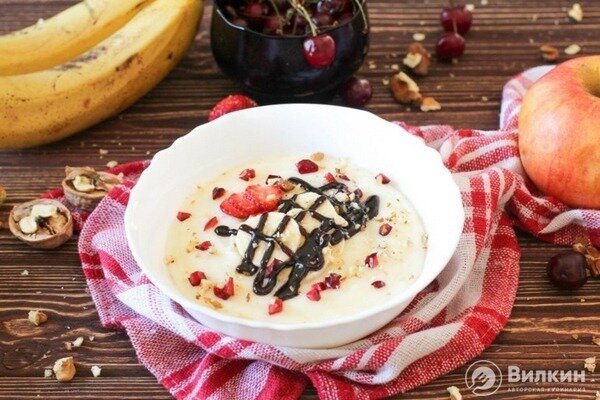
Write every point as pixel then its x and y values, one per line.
pixel 453 320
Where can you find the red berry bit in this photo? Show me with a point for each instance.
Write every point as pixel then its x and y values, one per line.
pixel 306 166
pixel 319 51
pixel 204 245
pixel 451 45
pixel 211 223
pixel 182 216
pixel 254 200
pixel 333 281
pixel 235 102
pixel 330 178
pixel 372 260
pixel 196 277
pixel 276 306
pixel 314 294
pixel 382 179
pixel 217 192
pixel 226 291
pixel 247 174
pixel 378 284
pixel 385 229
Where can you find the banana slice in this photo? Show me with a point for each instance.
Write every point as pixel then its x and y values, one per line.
pixel 290 237
pixel 326 209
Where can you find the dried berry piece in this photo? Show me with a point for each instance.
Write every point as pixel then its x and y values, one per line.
pixel 306 166
pixel 314 294
pixel 385 229
pixel 247 174
pixel 217 192
pixel 332 281
pixel 229 104
pixel 182 216
pixel 320 286
pixel 329 178
pixel 382 179
pixel 204 245
pixel 276 306
pixel 378 284
pixel 211 223
pixel 226 291
pixel 372 260
pixel 196 277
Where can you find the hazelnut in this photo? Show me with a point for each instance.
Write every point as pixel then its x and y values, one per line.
pixel 404 89
pixel 42 223
pixel 64 369
pixel 37 317
pixel 84 187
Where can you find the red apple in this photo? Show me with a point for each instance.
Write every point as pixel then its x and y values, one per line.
pixel 559 132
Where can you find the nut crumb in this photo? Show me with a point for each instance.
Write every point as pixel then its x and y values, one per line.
pixel 572 49
pixel 25 272
pixel 575 12
pixel 596 340
pixel 575 336
pixel 484 99
pixel 419 36
pixel 549 53
pixel 96 371
pixel 454 393
pixel 590 364
pixel 91 338
pixel 102 152
pixel 69 346
pixel 37 317
pixel 470 7
pixel 48 373
pixel 430 104
pixel 78 342
pixel 317 156
pixel 597 395
pixel 112 164
pixel 64 369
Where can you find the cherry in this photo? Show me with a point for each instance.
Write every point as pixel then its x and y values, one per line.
pixel 271 24
pixel 319 51
pixel 567 270
pixel 451 45
pixel 331 7
pixel 461 15
pixel 239 21
pixel 322 19
pixel 255 12
pixel 356 92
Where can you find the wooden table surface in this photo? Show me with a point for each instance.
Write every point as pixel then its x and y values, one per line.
pixel 548 329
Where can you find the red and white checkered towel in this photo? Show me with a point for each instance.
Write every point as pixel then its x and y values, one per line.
pixel 453 320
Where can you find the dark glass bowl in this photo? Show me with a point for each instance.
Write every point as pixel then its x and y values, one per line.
pixel 273 69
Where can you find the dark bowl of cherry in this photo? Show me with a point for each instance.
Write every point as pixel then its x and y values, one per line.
pixel 290 50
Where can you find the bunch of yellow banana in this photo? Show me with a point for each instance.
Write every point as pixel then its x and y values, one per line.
pixel 87 63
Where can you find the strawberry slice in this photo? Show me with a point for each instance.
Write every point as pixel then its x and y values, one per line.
pixel 266 198
pixel 254 200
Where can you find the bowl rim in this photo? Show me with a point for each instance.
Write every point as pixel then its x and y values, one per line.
pixel 218 9
pixel 408 295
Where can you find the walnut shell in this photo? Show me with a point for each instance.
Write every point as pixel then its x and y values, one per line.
pixel 51 232
pixel 102 183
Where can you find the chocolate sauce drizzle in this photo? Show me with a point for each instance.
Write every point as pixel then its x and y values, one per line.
pixel 309 256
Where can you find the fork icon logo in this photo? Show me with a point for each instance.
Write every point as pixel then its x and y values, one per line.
pixel 483 378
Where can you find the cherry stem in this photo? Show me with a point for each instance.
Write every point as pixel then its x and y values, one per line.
pixel 301 10
pixel 451 2
pixel 362 12
pixel 278 15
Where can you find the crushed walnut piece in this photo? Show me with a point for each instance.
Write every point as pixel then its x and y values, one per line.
pixel 404 89
pixel 96 371
pixel 78 342
pixel 430 104
pixel 590 364
pixel 37 317
pixel 591 253
pixel 454 393
pixel 64 369
pixel 575 12
pixel 418 59
pixel 48 373
pixel 549 53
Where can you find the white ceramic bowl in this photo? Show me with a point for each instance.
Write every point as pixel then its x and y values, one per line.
pixel 260 132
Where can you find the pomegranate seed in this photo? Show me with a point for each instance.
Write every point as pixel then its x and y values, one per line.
pixel 320 286
pixel 182 216
pixel 333 280
pixel 378 284
pixel 314 294
pixel 319 51
pixel 226 291
pixel 196 277
pixel 385 229
pixel 247 174
pixel 381 178
pixel 306 166
pixel 330 178
pixel 218 192
pixel 211 223
pixel 204 245
pixel 276 306
pixel 372 260
pixel 271 266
